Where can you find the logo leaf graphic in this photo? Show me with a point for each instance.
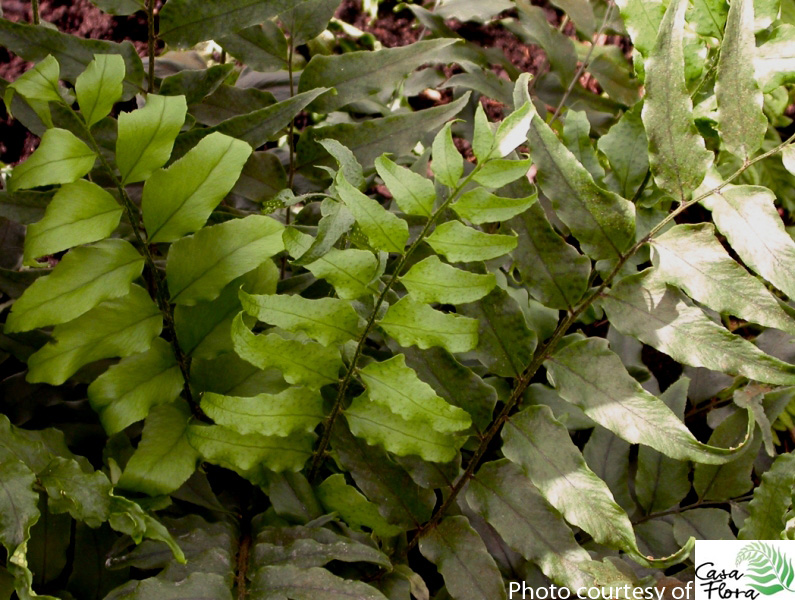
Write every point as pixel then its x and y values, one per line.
pixel 771 570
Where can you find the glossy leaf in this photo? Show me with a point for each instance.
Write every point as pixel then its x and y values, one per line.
pixel 644 307
pixel 412 323
pixel 400 500
pixel 352 272
pixel 480 206
pixel 508 500
pixel 84 495
pixel 246 453
pixel 603 222
pixel 692 258
pixel 164 459
pixel 431 280
pixel 85 277
pixel 99 87
pixel 311 546
pixel 146 136
pixel 554 272
pixel 201 265
pixel 380 426
pixel 454 382
pixel 296 409
pixel 396 387
pixel 18 503
pixel 125 393
pixel 337 496
pixel 118 327
pixel 413 193
pixel 677 154
pixel 327 320
pixel 740 118
pixel 337 220
pixel 590 376
pixel 499 172
pixel 462 558
pixel 302 363
pixel 178 200
pixel 459 243
pixel 60 158
pixel 81 212
pixel 385 230
pixel 538 443
pixel 203 329
pixel 748 218
pixel 38 86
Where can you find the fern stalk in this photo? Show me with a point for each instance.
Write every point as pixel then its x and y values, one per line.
pixel 328 424
pixel 546 349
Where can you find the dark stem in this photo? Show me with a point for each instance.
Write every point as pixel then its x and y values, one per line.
pixel 34 5
pixel 681 509
pixel 290 145
pixel 291 131
pixel 243 552
pixel 549 347
pixel 150 19
pixel 583 65
pixel 328 424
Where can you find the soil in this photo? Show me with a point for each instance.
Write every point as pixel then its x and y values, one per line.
pixel 82 18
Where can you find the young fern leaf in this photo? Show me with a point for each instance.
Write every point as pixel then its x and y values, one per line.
pixel 81 212
pixel 85 277
pixel 60 158
pixel 330 321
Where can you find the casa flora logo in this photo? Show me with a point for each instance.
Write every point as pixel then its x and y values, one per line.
pixel 745 569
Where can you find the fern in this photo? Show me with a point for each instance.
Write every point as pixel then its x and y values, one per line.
pixel 315 347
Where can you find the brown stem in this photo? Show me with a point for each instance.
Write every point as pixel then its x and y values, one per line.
pixel 150 19
pixel 34 6
pixel 698 504
pixel 328 424
pixel 290 145
pixel 549 347
pixel 583 65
